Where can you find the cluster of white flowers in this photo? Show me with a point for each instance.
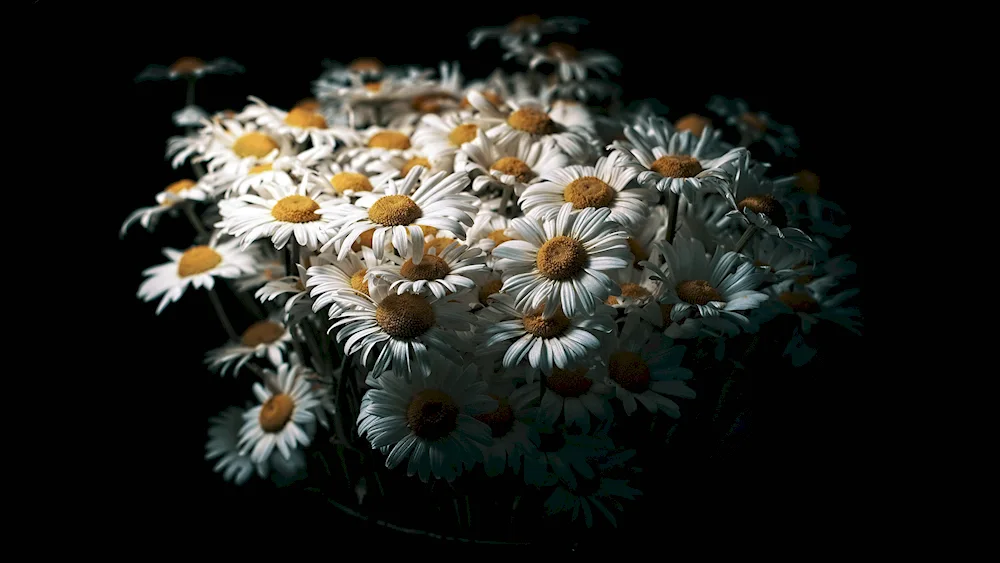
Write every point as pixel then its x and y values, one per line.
pixel 482 264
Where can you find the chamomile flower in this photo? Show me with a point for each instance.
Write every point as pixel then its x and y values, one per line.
pixel 189 116
pixel 646 368
pixel 704 217
pixel 362 95
pixel 693 284
pixel 558 341
pixel 755 126
pixel 441 136
pixel 348 181
pixel 510 167
pixel 642 240
pixel 513 437
pixel 563 261
pixel 378 144
pixel 267 267
pixel 223 436
pixel 279 213
pixel 401 330
pixel 592 493
pixel 783 261
pixel 561 456
pixel 455 269
pixel 574 394
pixel 639 299
pixel 671 161
pixel 198 266
pixel 190 68
pixel 298 305
pixel 607 185
pixel 488 230
pixel 299 123
pixel 395 216
pixel 268 338
pixel 237 147
pixel 532 120
pixel 570 63
pixel 349 275
pixel 428 422
pixel 177 192
pixel 284 420
pixel 443 96
pixel 527 29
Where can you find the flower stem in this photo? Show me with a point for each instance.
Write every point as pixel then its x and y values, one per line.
pixel 221 313
pixel 291 259
pixel 673 206
pixel 189 97
pixel 193 218
pixel 750 232
pixel 505 200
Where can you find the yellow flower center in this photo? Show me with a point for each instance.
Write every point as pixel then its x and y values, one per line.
pixel 679 166
pixel 254 144
pixel 697 292
pixel 488 289
pixel 308 104
pixel 367 64
pixel 561 258
pixel 754 121
pixel 430 268
pixel 630 371
pixel 180 186
pixel 364 239
pixel 694 123
pixel 807 182
pixel 499 237
pixel 500 420
pixel 344 181
pixel 415 161
pixel 405 316
pixel 563 51
pixel 532 120
pixel 358 281
pixel 394 210
pixel 521 23
pixel 389 140
pixel 187 65
pixel 438 243
pixel 276 412
pixel 464 133
pixel 638 251
pixel 196 260
pixel 568 382
pixel 432 103
pixel 303 118
pixel 260 168
pixel 428 230
pixel 632 291
pixel 767 205
pixel 493 97
pixel 295 209
pixel 373 86
pixel 588 192
pixel 514 167
pixel 432 414
pixel 262 332
pixel 799 302
pixel 535 325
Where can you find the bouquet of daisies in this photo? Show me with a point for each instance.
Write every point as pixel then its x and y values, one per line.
pixel 491 293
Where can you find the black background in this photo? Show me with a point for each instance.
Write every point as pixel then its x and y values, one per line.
pixel 159 461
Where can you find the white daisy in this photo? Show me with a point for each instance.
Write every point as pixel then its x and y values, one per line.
pixel 755 126
pixel 455 269
pixel 428 421
pixel 267 267
pixel 349 275
pixel 441 136
pixel 531 119
pixel 558 340
pixel 671 161
pixel 377 144
pixel 571 63
pixel 280 213
pixel 364 95
pixel 592 493
pixel 509 167
pixel 348 181
pixel 189 116
pixel 562 455
pixel 177 192
pixel 704 218
pixel 402 329
pixel 284 170
pixel 298 305
pixel 525 29
pixel 190 68
pixel 606 185
pixel 488 231
pixel 513 437
pixel 268 338
pixel 563 261
pixel 284 420
pixel 639 299
pixel 642 240
pixel 697 125
pixel 693 284
pixel 574 394
pixel 237 147
pixel 223 436
pixel 397 214
pixel 300 123
pixel 442 97
pixel 198 266
pixel 646 367
pixel 783 261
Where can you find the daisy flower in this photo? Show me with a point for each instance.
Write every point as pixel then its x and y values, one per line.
pixel 349 275
pixel 571 63
pixel 782 260
pixel 488 230
pixel 429 422
pixel 189 116
pixel 441 136
pixel 755 126
pixel 510 167
pixel 284 170
pixel 563 261
pixel 396 215
pixel 559 340
pixel 198 266
pixel 223 435
pixel 646 368
pixel 668 160
pixel 443 96
pixel 268 266
pixel 348 181
pixel 403 329
pixel 639 299
pixel 177 192
pixel 268 338
pixel 363 95
pixel 300 123
pixel 190 68
pixel 642 240
pixel 696 124
pixel 710 288
pixel 530 119
pixel 457 268
pixel 704 217
pixel 279 213
pixel 298 305
pixel 560 455
pixel 603 186
pixel 284 420
pixel 509 425
pixel 525 29
pixel 237 147
pixel 378 144
pixel 592 493
pixel 574 393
